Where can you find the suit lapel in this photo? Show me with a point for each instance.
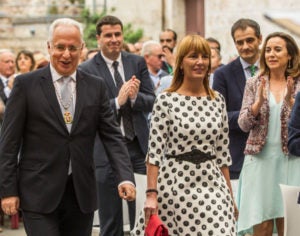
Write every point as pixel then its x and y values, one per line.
pixel 49 91
pixel 240 75
pixel 127 67
pixel 80 93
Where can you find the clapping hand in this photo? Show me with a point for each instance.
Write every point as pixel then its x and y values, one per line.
pixel 289 89
pixel 134 87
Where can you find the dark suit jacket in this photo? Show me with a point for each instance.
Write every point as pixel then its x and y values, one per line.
pixel 33 117
pixel 294 128
pixel 2 94
pixel 230 81
pixel 133 65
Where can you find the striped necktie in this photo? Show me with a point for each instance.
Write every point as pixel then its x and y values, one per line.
pixel 125 110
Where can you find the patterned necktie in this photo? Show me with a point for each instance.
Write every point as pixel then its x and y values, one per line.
pixel 67 100
pixel 67 106
pixel 125 110
pixel 252 70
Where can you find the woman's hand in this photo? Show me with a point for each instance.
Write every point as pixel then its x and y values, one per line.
pixel 262 96
pixel 150 206
pixel 235 211
pixel 289 90
pixel 262 93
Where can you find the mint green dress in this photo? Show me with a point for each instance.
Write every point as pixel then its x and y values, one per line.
pixel 259 196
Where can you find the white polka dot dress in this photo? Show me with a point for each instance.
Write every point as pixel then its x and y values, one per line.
pixel 193 196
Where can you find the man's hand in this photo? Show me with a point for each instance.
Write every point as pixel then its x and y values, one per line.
pixel 127 192
pixel 134 87
pixel 123 93
pixel 169 56
pixel 10 205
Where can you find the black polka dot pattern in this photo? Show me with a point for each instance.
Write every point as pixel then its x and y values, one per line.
pixel 193 199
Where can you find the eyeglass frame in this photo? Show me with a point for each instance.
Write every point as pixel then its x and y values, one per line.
pixel 62 48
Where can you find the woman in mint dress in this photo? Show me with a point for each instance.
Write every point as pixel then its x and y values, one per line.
pixel 267 103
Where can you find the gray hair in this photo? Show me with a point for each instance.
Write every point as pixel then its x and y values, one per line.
pixel 148 47
pixel 64 21
pixel 5 50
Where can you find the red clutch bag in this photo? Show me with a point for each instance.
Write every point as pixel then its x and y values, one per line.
pixel 155 227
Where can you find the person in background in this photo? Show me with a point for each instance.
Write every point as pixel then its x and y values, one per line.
pixel 131 48
pixel 24 63
pixel 294 128
pixel 216 62
pixel 91 53
pixel 131 94
pixel 83 55
pixel 267 103
pixel 40 59
pixel 214 43
pixel 168 41
pixel 188 183
pixel 138 47
pixel 153 54
pixel 7 69
pixel 230 81
pixel 51 119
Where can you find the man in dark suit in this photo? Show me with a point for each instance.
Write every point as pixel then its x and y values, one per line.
pixel 230 81
pixel 131 108
pixel 53 115
pixel 294 130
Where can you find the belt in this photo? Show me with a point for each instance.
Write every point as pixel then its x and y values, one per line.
pixel 195 156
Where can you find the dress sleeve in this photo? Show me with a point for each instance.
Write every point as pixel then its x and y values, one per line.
pixel 222 143
pixel 159 127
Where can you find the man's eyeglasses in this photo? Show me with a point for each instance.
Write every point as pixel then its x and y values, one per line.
pixel 62 48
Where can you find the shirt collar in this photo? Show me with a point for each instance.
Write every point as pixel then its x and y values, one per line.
pixel 56 76
pixel 109 62
pixel 246 64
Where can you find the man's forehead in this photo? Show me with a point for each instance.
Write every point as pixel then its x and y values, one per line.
pixel 166 35
pixel 6 56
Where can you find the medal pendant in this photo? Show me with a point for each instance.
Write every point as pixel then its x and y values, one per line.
pixel 68 117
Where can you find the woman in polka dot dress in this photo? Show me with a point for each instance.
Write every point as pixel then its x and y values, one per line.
pixel 188 182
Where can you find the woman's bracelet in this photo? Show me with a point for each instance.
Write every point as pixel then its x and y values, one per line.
pixel 152 190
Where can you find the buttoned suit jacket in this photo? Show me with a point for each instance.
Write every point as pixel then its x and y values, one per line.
pixel 133 65
pixel 230 81
pixel 33 121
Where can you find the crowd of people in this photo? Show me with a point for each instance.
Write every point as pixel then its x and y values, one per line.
pixel 214 139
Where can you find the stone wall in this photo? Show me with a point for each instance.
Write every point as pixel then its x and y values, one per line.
pixel 25 23
pixel 20 18
pixel 220 16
